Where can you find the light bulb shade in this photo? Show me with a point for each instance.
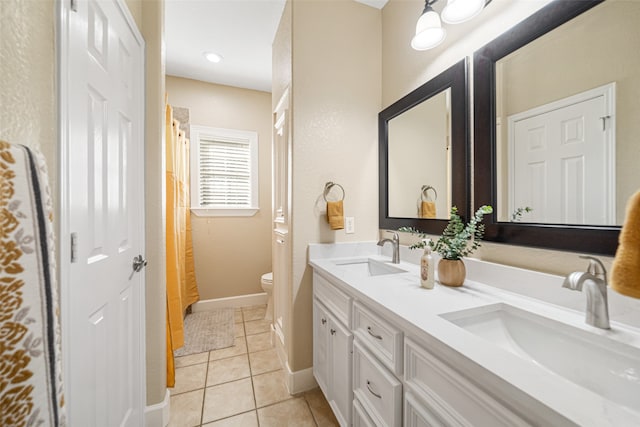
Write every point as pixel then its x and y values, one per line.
pixel 429 31
pixel 457 11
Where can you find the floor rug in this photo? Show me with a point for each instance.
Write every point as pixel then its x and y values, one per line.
pixel 207 330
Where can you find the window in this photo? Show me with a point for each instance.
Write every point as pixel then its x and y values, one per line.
pixel 224 172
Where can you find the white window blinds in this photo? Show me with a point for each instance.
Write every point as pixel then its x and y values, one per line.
pixel 225 172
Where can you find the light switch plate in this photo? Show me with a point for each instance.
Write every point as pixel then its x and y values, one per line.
pixel 349 225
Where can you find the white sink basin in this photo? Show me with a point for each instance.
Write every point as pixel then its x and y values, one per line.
pixel 368 267
pixel 602 365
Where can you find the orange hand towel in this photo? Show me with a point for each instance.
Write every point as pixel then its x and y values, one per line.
pixel 335 215
pixel 625 274
pixel 427 209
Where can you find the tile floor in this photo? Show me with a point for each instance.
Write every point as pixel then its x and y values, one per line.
pixel 243 385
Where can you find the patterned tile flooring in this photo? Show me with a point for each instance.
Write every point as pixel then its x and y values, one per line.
pixel 243 385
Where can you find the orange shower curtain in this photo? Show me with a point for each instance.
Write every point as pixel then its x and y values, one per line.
pixel 182 289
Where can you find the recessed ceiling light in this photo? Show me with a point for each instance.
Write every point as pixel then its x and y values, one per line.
pixel 212 57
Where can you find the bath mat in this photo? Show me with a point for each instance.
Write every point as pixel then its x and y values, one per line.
pixel 207 330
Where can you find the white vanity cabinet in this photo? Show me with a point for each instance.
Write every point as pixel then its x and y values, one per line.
pixel 377 371
pixel 437 395
pixel 333 347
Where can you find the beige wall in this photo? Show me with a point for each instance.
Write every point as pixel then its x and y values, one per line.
pixel 405 69
pixel 28 73
pixel 231 253
pixel 335 102
pixel 281 56
pixel 152 28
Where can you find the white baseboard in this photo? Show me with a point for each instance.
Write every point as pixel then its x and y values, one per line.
pixel 239 301
pixel 300 381
pixel 297 381
pixel 158 415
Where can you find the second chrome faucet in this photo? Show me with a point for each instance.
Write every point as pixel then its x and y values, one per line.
pixel 594 284
pixel 395 242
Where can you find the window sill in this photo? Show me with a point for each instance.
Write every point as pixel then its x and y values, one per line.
pixel 225 212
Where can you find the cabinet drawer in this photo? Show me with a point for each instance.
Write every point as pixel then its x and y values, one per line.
pixel 379 392
pixel 334 299
pixel 418 413
pixel 383 339
pixel 452 398
pixel 360 417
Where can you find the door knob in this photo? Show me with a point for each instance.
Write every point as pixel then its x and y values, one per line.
pixel 139 263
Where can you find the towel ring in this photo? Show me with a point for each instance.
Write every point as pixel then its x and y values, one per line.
pixel 424 196
pixel 327 188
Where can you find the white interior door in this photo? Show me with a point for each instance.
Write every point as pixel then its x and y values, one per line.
pixel 102 213
pixel 562 164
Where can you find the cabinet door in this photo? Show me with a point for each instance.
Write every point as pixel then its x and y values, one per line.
pixel 281 286
pixel 340 351
pixel 320 346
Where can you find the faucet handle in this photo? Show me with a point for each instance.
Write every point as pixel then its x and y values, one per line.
pixel 395 235
pixel 596 267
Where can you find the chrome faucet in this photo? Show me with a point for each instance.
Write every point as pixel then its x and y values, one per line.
pixel 396 247
pixel 594 281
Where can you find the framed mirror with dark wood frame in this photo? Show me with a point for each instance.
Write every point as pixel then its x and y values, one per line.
pixel 423 154
pixel 566 53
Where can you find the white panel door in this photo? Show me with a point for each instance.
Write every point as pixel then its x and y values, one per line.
pixel 103 215
pixel 560 164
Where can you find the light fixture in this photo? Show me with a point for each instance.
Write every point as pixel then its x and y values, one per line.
pixel 458 11
pixel 429 31
pixel 212 57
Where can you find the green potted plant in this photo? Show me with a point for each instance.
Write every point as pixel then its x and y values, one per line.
pixel 457 241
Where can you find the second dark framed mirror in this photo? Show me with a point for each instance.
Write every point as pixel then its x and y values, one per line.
pixel 423 154
pixel 555 126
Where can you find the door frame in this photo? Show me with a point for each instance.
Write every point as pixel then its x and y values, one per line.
pixel 63 9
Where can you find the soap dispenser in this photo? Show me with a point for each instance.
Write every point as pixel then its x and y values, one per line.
pixel 426 267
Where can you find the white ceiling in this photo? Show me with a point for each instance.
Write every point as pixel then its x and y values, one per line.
pixel 242 31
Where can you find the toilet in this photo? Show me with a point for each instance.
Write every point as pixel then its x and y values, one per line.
pixel 266 281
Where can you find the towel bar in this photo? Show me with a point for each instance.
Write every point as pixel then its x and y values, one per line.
pixel 327 188
pixel 424 196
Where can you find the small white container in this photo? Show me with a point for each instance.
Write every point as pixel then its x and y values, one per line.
pixel 427 280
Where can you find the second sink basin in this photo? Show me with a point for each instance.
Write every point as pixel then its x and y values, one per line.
pixel 600 364
pixel 368 267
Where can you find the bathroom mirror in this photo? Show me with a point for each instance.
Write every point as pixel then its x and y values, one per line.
pixel 423 156
pixel 556 101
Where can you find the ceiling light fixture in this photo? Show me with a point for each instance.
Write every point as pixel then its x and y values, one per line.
pixel 429 31
pixel 212 57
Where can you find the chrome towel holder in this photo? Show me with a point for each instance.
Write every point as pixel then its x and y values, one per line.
pixel 327 189
pixel 425 197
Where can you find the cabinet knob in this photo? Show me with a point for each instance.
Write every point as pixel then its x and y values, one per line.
pixel 324 321
pixel 333 331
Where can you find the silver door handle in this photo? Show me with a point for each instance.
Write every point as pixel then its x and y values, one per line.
pixel 139 263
